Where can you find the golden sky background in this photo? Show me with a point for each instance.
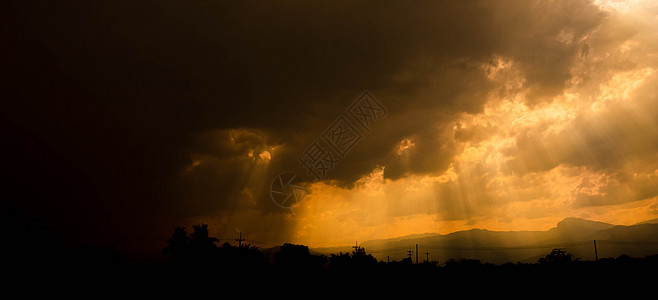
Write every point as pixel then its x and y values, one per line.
pixel 531 155
pixel 126 120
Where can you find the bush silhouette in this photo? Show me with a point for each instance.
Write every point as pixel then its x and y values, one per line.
pixel 198 249
pixel 359 259
pixel 558 256
pixel 200 241
pixel 177 245
pixel 298 257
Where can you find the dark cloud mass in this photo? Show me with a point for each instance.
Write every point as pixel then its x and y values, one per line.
pixel 125 119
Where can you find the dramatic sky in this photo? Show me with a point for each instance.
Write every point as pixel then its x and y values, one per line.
pixel 122 120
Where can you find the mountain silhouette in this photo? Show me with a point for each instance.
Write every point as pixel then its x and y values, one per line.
pixel 652 221
pixel 575 229
pixel 574 234
pixel 582 224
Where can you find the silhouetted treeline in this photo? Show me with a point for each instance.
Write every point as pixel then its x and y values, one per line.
pixel 196 256
pixel 197 251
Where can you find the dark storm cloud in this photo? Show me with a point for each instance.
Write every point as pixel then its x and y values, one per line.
pixel 123 95
pixel 447 77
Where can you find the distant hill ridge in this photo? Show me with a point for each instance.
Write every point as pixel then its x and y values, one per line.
pixel 577 222
pixel 576 235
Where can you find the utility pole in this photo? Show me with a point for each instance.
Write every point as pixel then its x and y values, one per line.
pixel 356 247
pixel 240 240
pixel 596 253
pixel 410 253
pixel 427 254
pixel 416 253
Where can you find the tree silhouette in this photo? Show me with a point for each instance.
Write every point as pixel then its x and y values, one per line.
pixel 341 259
pixel 246 258
pixel 406 260
pixel 200 239
pixel 292 255
pixel 359 259
pixel 298 257
pixel 177 245
pixel 557 256
pixel 203 251
pixel 197 249
pixel 463 265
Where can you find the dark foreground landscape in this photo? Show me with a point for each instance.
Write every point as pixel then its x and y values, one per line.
pixel 195 261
